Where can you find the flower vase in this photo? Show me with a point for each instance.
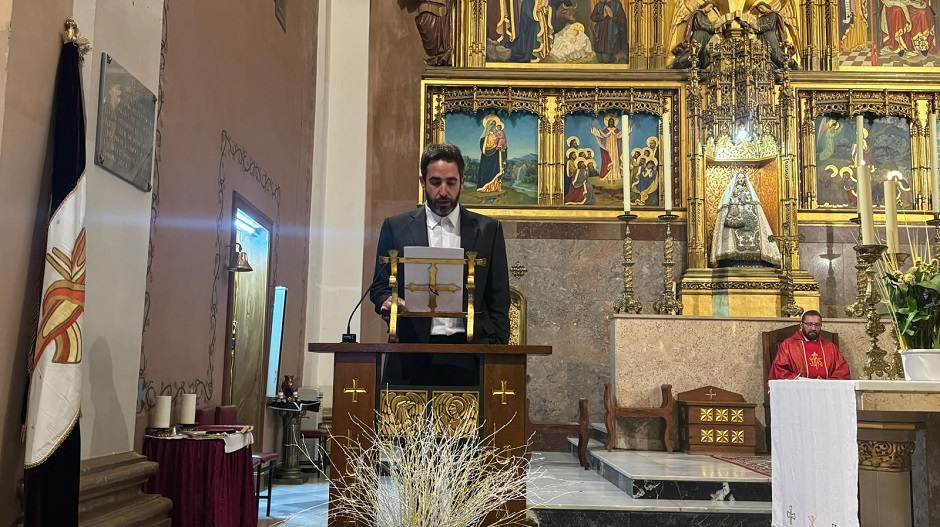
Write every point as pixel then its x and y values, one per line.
pixel 921 364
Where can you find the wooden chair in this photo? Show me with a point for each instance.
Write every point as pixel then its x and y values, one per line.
pixel 666 412
pixel 770 343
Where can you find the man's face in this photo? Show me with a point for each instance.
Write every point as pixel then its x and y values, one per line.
pixel 442 186
pixel 810 327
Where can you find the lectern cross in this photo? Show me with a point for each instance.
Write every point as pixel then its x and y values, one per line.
pixel 711 393
pixel 503 392
pixel 432 287
pixel 355 390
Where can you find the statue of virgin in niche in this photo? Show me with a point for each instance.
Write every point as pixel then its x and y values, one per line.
pixel 742 230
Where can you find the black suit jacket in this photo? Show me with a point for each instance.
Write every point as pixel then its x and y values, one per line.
pixel 491 295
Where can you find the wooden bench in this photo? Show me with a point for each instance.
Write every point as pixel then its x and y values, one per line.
pixel 664 412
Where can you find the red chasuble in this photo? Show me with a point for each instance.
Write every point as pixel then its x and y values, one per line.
pixel 798 358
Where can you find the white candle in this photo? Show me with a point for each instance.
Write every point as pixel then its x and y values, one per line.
pixel 864 185
pixel 667 163
pixel 188 409
pixel 625 163
pixel 891 213
pixel 161 412
pixel 934 177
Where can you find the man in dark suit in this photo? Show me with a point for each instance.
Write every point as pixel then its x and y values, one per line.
pixel 442 222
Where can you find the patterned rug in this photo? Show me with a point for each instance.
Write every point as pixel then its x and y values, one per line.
pixel 759 464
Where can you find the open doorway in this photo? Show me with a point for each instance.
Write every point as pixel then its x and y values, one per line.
pixel 248 314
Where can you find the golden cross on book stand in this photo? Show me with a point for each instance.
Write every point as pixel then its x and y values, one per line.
pixel 432 287
pixel 393 260
pixel 355 390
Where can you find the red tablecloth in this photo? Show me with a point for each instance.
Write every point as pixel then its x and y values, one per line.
pixel 209 488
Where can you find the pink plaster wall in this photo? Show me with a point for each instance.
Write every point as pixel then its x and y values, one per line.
pixel 238 98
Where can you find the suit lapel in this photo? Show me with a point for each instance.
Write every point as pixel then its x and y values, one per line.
pixel 419 227
pixel 469 230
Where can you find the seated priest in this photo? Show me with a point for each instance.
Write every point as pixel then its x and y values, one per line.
pixel 442 222
pixel 808 355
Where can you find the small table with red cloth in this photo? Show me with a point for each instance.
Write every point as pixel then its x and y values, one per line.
pixel 209 487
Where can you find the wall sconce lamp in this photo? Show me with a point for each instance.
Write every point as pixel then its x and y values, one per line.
pixel 241 264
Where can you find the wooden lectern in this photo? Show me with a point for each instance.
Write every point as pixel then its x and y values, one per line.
pixel 502 400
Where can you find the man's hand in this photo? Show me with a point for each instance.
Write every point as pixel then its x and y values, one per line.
pixel 387 307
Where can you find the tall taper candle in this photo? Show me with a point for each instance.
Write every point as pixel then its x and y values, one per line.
pixel 864 185
pixel 625 162
pixel 891 214
pixel 161 413
pixel 188 409
pixel 934 172
pixel 667 163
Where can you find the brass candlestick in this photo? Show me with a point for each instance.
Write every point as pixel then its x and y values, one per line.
pixel 857 308
pixel 627 303
pixel 935 223
pixel 668 304
pixel 788 245
pixel 900 259
pixel 876 364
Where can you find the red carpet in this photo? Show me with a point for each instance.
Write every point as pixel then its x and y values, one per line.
pixel 759 464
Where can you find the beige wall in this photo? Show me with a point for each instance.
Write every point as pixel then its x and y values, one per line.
pixel 34 44
pixel 237 116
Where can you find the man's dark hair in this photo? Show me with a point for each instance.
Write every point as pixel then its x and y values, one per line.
pixel 441 152
pixel 811 313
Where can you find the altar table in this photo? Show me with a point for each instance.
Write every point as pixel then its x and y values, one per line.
pixel 208 487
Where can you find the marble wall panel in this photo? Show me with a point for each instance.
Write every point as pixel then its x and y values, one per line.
pixel 691 352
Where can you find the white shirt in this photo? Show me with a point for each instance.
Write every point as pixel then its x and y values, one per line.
pixel 444 231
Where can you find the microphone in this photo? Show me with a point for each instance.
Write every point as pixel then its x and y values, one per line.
pixel 349 336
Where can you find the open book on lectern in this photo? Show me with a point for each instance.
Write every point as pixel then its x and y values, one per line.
pixel 434 287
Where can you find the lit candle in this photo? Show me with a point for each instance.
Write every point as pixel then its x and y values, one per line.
pixel 891 212
pixel 864 185
pixel 625 163
pixel 161 413
pixel 188 409
pixel 934 177
pixel 667 163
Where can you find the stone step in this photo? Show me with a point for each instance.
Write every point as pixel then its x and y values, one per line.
pixel 111 496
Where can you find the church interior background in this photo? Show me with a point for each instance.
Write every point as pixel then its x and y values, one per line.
pixel 558 106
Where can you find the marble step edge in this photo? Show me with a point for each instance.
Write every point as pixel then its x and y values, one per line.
pixel 603 518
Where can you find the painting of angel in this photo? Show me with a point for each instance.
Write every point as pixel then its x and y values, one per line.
pixel 886 147
pixel 500 155
pixel 889 33
pixel 557 31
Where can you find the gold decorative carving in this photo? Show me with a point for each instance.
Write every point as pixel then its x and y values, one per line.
pixel 721 436
pixel 721 414
pixel 708 435
pixel 710 286
pixel 355 390
pixel 726 148
pixel 885 456
pixel 737 416
pixel 456 414
pixel 503 391
pixel 706 414
pixel 400 411
pixel 737 436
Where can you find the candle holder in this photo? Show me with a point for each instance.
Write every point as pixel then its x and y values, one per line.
pixel 183 427
pixel 857 309
pixel 935 223
pixel 868 256
pixel 788 245
pixel 900 259
pixel 627 303
pixel 668 304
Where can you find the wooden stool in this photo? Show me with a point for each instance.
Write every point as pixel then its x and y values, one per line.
pixel 321 436
pixel 264 463
pixel 664 412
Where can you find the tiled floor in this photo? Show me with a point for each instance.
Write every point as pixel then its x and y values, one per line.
pixel 562 484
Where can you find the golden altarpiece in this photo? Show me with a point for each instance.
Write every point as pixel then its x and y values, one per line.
pixel 556 104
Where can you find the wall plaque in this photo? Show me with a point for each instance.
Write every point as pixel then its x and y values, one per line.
pixel 126 120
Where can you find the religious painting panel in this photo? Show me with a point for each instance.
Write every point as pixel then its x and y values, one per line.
pixel 891 33
pixel 723 184
pixel 886 148
pixel 501 154
pixel 557 31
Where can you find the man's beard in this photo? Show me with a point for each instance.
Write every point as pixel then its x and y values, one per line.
pixel 442 210
pixel 811 335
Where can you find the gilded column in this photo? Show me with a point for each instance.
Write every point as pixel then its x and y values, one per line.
pixel 638 47
pixel 469 26
pixel 920 178
pixel 808 130
pixel 696 175
pixel 658 59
